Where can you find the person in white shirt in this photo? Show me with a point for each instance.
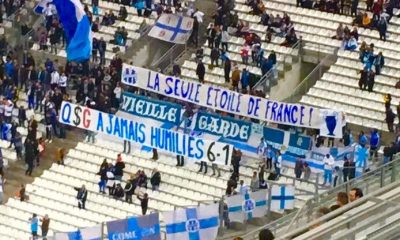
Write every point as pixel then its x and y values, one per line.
pixel 329 163
pixel 198 15
pixel 243 188
pixel 117 92
pixel 8 109
pixel 55 79
pixel 225 39
pixel 62 83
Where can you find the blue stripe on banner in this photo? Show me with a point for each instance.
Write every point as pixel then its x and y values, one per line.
pixel 261 203
pixel 175 228
pixel 191 215
pixel 283 195
pixel 209 222
pixel 235 209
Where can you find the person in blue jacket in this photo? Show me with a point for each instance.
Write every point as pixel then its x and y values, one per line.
pixel 374 143
pixel 245 78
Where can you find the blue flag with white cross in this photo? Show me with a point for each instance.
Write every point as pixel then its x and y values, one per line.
pixel 282 197
pixel 247 206
pixel 199 223
pixel 139 228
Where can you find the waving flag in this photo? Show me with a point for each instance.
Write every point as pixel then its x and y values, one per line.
pixel 144 227
pixel 282 197
pixel 248 206
pixel 90 233
pixel 172 28
pixel 76 26
pixel 199 223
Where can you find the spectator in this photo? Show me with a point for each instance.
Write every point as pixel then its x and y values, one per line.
pixel 118 192
pixel 130 188
pixel 355 193
pixel 243 188
pixel 45 226
pixel 200 71
pixel 339 32
pixel 338 176
pixel 227 70
pixel 350 44
pixel 390 116
pixel 244 53
pixel 266 234
pixel 103 176
pixel 388 152
pixel 30 155
pixel 176 70
pixel 123 14
pixel 254 184
pixel 155 179
pixel 144 202
pixel 342 199
pixel 245 79
pixel 374 143
pixel 329 163
pixel 379 62
pixel 211 35
pixel 366 21
pixel 371 80
pixel 119 168
pixel 307 171
pixel 224 40
pixel 298 168
pixel 235 79
pixel 34 226
pixel 214 56
pixel 81 196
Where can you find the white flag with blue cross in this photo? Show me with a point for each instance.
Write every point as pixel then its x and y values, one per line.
pixel 199 223
pixel 282 197
pixel 172 28
pixel 247 206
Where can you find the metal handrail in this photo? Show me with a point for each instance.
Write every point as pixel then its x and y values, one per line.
pixel 341 210
pixel 288 219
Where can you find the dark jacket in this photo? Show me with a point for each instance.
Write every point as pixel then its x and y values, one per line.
pixel 130 187
pixel 119 167
pixel 82 194
pixel 200 70
pixel 155 180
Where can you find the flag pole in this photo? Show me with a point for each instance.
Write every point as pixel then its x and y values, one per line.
pixel 269 200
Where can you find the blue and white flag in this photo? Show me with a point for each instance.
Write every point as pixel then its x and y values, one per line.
pixel 248 206
pixel 199 223
pixel 77 29
pixel 90 233
pixel 39 9
pixel 172 28
pixel 143 227
pixel 282 197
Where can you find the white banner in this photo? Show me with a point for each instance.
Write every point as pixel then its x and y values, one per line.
pixel 172 28
pixel 150 136
pixel 332 125
pixel 222 99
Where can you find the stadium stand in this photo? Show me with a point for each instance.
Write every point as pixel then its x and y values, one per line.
pixel 54 192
